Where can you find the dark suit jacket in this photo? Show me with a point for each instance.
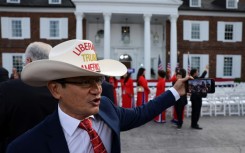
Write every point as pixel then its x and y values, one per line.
pixel 48 137
pixel 4 74
pixel 107 90
pixel 21 108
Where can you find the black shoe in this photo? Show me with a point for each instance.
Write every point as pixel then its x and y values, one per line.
pixel 196 127
pixel 179 127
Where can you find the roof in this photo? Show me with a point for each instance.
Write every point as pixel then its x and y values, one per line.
pixel 212 5
pixel 206 5
pixel 38 3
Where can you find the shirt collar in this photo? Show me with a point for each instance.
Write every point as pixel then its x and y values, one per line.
pixel 68 123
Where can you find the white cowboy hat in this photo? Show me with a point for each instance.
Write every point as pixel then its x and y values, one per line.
pixel 70 59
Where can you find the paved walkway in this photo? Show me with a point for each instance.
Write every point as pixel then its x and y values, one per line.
pixel 220 135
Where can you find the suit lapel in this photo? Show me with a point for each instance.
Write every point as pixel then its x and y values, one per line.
pixel 108 115
pixel 55 134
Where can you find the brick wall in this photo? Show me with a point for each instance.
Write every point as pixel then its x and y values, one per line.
pixel 212 46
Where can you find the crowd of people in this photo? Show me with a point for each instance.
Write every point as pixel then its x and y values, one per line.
pixel 143 92
pixel 58 101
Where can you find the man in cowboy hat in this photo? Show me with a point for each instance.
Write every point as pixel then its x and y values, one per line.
pixel 74 77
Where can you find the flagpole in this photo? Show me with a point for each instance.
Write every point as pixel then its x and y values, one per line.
pixel 188 64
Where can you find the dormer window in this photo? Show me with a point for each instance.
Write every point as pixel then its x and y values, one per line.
pixel 231 4
pixel 13 1
pixel 54 1
pixel 195 3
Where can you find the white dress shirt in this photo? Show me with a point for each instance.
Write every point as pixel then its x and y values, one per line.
pixel 77 139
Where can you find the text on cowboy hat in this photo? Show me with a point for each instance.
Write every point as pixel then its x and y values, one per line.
pixel 83 47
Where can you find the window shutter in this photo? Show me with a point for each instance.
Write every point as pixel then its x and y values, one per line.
pixel 7 62
pixel 64 28
pixel 220 31
pixel 5 27
pixel 238 31
pixel 187 30
pixel 236 66
pixel 26 28
pixel 205 30
pixel 219 66
pixel 44 28
pixel 204 62
pixel 185 61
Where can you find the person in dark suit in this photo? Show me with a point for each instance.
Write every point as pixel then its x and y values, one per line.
pixel 76 82
pixel 23 106
pixel 4 74
pixel 196 100
pixel 107 90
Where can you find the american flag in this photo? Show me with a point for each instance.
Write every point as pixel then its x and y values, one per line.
pixel 188 65
pixel 168 75
pixel 168 67
pixel 177 67
pixel 160 67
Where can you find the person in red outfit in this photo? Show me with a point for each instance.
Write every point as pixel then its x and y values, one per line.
pixel 114 82
pixel 143 90
pixel 128 91
pixel 161 118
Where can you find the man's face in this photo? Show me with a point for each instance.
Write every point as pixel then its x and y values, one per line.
pixel 78 97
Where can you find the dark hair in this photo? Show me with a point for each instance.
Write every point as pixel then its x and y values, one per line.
pixel 193 71
pixel 181 72
pixel 127 77
pixel 161 73
pixel 61 81
pixel 107 78
pixel 140 73
pixel 4 74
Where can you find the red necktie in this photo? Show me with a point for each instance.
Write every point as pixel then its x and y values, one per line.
pixel 97 144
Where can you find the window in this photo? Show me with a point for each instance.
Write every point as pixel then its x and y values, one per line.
pixel 195 3
pixel 10 60
pixel 227 70
pixel 126 34
pixel 196 30
pixel 15 28
pixel 13 1
pixel 231 4
pixel 17 61
pixel 54 28
pixel 196 61
pixel 228 66
pixel 229 31
pixel 54 1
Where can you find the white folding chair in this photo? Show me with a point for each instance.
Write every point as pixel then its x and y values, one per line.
pixel 233 106
pixel 219 107
pixel 188 108
pixel 206 107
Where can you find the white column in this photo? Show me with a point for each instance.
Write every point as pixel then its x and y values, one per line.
pixel 107 35
pixel 79 25
pixel 173 43
pixel 147 45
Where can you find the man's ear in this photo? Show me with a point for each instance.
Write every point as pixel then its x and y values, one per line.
pixel 54 89
pixel 28 60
